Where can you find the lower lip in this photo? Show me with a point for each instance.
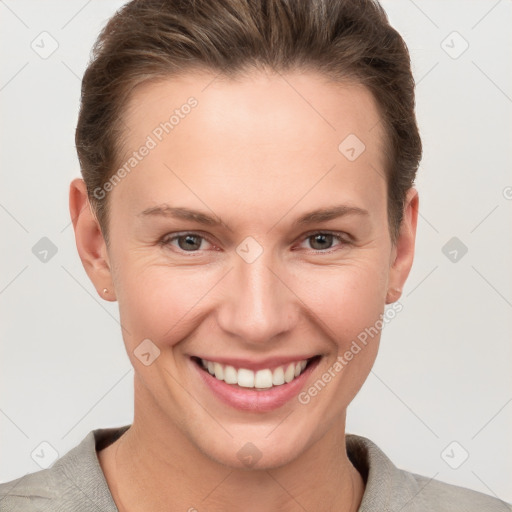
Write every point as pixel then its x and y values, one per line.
pixel 250 399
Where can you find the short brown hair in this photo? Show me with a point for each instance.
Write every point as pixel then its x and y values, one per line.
pixel 344 40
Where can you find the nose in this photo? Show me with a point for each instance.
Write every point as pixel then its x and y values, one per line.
pixel 258 304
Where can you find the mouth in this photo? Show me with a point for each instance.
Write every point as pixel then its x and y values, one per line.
pixel 263 379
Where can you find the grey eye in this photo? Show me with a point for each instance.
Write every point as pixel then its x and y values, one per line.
pixel 321 240
pixel 189 242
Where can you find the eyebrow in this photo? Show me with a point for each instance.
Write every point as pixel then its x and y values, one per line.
pixel 319 215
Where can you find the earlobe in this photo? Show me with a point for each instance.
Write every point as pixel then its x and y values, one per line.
pixel 90 242
pixel 393 295
pixel 403 251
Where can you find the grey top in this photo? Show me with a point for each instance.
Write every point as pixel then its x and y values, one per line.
pixel 76 483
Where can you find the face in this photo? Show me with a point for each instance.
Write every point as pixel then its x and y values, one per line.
pixel 249 233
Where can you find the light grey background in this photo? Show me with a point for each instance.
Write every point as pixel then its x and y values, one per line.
pixel 443 371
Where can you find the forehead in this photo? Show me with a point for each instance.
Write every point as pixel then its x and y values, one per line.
pixel 265 129
pixel 305 103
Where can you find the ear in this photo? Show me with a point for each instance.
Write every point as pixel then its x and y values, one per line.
pixel 90 243
pixel 402 253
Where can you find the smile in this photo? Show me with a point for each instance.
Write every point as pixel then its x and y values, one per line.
pixel 261 379
pixel 267 386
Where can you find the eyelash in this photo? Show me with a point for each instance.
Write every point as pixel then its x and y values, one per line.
pixel 166 240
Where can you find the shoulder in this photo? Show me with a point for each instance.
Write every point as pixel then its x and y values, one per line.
pixel 392 489
pixel 75 482
pixel 34 491
pixel 433 494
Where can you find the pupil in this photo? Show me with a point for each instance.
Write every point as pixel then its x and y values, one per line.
pixel 322 239
pixel 190 242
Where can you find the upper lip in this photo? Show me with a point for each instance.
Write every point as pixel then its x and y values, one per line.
pixel 252 364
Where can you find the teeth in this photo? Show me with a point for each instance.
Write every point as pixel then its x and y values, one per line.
pixel 278 376
pixel 219 371
pixel 261 379
pixel 245 378
pixel 289 374
pixel 230 375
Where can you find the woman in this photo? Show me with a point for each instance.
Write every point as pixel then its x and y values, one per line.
pixel 248 199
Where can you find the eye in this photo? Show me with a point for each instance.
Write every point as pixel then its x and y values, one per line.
pixel 322 240
pixel 187 242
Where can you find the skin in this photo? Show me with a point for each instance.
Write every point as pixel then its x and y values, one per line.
pixel 257 152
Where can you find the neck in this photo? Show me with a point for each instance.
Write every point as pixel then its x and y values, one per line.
pixel 165 471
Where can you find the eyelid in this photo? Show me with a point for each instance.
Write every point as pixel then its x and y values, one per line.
pixel 340 234
pixel 169 237
pixel 343 238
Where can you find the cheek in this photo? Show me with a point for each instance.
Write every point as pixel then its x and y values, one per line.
pixel 347 305
pixel 161 303
pixel 346 299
